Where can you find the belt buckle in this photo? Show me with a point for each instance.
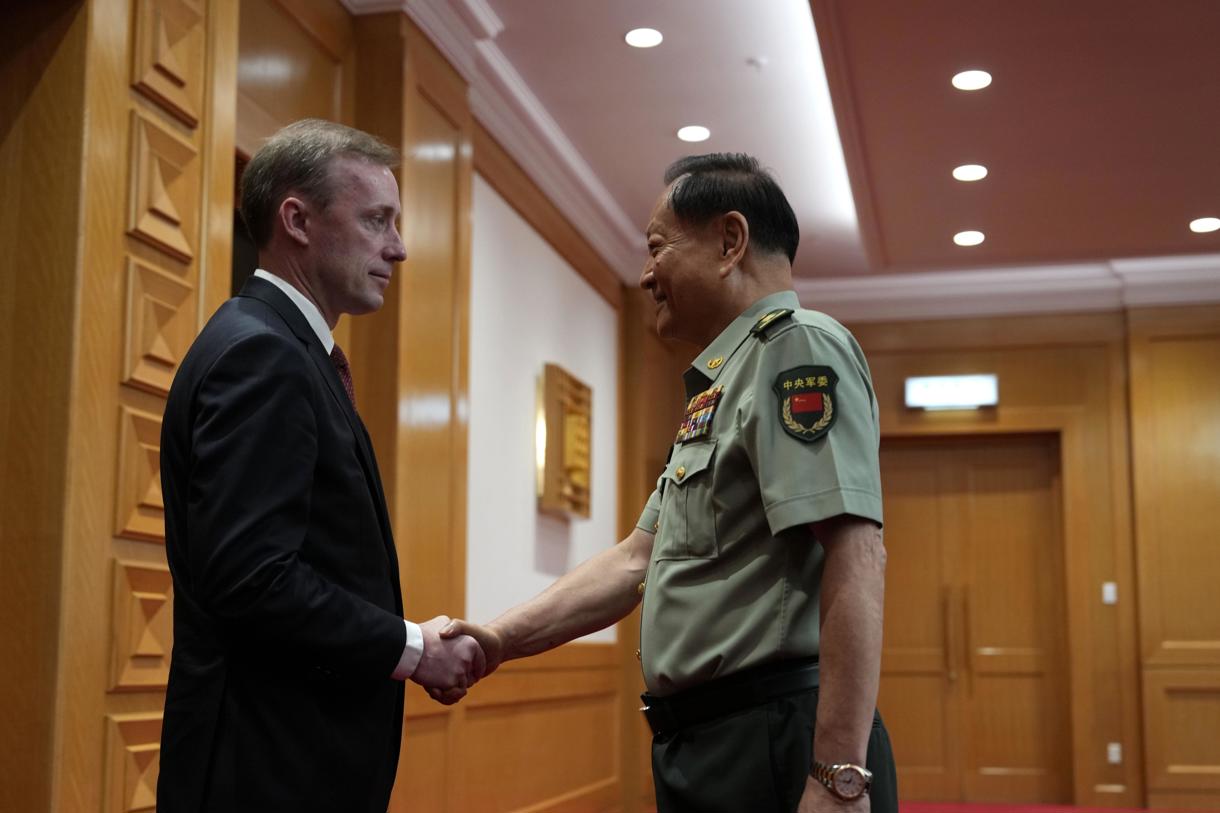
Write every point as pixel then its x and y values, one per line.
pixel 660 718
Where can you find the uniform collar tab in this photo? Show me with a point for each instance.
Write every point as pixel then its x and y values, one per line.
pixel 708 364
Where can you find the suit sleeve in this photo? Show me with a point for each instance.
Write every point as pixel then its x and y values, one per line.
pixel 254 450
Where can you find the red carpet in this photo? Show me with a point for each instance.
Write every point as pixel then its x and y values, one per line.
pixel 953 807
pixel 957 807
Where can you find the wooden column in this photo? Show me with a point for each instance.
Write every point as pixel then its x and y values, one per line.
pixel 411 362
pixel 1175 442
pixel 125 157
pixel 42 111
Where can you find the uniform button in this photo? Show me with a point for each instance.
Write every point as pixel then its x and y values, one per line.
pixel 681 472
pixel 637 655
pixel 639 591
pixel 716 362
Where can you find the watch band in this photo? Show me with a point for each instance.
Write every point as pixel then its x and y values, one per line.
pixel 826 774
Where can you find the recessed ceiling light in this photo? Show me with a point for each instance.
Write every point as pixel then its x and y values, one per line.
pixel 643 37
pixel 694 132
pixel 970 172
pixel 972 80
pixel 1205 224
pixel 968 238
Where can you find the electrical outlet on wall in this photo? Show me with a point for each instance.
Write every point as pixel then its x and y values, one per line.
pixel 1114 753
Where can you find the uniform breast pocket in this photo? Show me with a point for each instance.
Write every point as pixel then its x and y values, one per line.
pixel 688 522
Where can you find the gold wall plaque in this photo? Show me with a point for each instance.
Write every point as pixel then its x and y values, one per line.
pixel 564 443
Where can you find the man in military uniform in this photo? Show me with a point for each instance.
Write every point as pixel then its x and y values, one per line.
pixel 759 557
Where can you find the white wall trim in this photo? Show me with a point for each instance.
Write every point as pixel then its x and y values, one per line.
pixel 1109 285
pixel 481 18
pixel 500 99
pixel 1181 280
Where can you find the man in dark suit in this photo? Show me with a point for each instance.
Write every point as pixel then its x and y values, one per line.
pixel 285 688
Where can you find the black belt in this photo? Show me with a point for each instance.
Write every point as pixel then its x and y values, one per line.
pixel 728 695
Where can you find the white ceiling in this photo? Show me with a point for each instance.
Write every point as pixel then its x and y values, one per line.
pixel 593 121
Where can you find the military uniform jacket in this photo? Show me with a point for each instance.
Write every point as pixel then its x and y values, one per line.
pixel 781 430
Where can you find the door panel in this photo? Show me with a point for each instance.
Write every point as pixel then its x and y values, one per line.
pixel 973 684
pixel 920 710
pixel 1013 581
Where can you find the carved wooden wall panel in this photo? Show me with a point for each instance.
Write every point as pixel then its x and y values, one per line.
pixel 168 56
pixel 164 195
pixel 133 759
pixel 160 325
pixel 140 509
pixel 143 626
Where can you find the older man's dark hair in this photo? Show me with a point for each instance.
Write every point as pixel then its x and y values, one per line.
pixel 296 160
pixel 719 182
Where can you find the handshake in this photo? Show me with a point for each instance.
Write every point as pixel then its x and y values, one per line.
pixel 457 654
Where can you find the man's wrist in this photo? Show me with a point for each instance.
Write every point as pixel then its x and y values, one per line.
pixel 847 781
pixel 412 651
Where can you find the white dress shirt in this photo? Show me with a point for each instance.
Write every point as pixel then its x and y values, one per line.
pixel 414 649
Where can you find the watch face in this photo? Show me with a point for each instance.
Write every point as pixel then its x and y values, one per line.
pixel 848 782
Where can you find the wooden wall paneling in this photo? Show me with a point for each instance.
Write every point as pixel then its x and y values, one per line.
pixel 168 54
pixel 1182 709
pixel 1175 398
pixel 133 745
pixel 327 22
pixel 42 85
pixel 1119 691
pixel 435 313
pixel 287 70
pixel 540 734
pixel 374 344
pixel 411 358
pixel 1061 375
pixel 136 267
pixel 218 156
pixel 506 177
pixel 133 154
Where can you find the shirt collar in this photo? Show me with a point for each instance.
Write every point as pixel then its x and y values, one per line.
pixel 308 309
pixel 707 366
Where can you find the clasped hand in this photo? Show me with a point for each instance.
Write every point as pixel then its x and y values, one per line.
pixel 449 665
pixel 457 654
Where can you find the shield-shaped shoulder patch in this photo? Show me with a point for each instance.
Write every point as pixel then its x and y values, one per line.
pixel 806 401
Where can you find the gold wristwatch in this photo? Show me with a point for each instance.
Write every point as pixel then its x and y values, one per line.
pixel 847 781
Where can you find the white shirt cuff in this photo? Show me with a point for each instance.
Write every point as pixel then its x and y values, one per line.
pixel 411 653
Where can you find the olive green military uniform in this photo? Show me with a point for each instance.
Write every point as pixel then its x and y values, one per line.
pixel 781 430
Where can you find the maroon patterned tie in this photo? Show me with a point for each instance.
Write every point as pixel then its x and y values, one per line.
pixel 345 372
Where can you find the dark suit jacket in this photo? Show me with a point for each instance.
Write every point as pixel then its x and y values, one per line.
pixel 287 604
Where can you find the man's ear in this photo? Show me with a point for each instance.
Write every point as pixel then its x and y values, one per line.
pixel 734 238
pixel 294 217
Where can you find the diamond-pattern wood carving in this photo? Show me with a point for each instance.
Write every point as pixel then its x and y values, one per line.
pixel 159 321
pixel 133 760
pixel 164 206
pixel 168 58
pixel 143 626
pixel 140 511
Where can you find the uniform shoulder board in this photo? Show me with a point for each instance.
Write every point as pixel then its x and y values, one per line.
pixel 769 321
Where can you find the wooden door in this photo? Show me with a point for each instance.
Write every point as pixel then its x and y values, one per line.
pixel 973 683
